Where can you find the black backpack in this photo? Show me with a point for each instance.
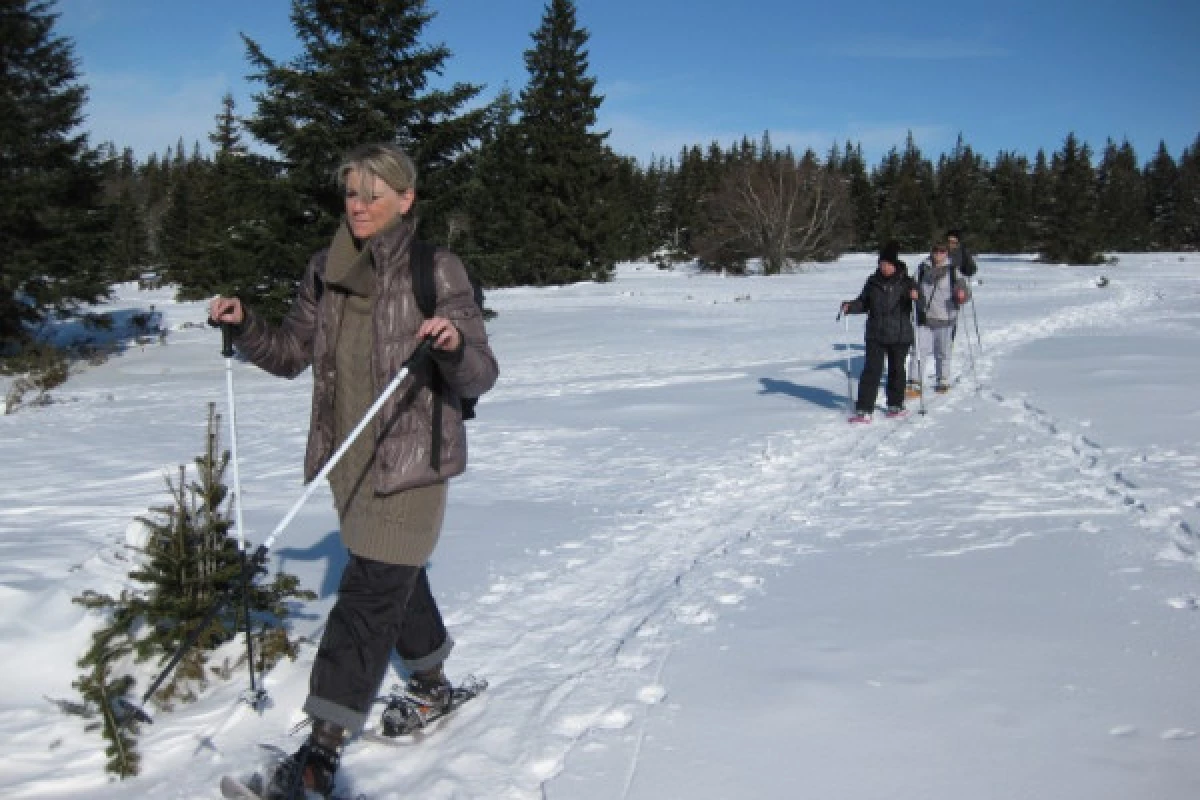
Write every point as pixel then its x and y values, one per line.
pixel 421 264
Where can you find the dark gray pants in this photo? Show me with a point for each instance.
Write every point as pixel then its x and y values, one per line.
pixel 868 382
pixel 380 607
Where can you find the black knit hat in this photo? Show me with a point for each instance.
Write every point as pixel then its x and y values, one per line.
pixel 955 232
pixel 890 253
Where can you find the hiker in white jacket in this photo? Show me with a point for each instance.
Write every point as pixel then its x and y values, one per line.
pixel 943 291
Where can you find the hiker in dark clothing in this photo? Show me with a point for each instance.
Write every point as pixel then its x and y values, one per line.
pixel 960 259
pixel 887 300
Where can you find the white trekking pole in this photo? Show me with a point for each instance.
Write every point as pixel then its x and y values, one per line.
pixel 256 698
pixel 846 349
pixel 971 355
pixel 974 316
pixel 920 361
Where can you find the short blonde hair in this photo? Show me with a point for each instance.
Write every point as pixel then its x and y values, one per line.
pixel 385 161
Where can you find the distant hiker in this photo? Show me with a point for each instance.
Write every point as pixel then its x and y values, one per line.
pixel 887 300
pixel 943 292
pixel 960 258
pixel 355 320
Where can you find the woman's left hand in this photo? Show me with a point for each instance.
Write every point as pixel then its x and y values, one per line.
pixel 443 332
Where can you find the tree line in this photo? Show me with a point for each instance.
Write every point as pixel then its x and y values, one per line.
pixel 524 187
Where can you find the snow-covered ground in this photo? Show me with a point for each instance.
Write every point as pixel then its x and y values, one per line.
pixel 683 573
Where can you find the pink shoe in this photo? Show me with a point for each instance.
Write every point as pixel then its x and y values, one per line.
pixel 861 418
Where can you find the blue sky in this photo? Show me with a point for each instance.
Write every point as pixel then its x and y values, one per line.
pixel 1008 75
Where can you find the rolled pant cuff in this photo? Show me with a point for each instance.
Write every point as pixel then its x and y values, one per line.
pixel 328 711
pixel 433 659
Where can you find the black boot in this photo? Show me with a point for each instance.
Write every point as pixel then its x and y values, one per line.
pixel 312 767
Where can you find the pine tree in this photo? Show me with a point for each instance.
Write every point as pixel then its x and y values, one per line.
pixel 130 245
pixel 1071 234
pixel 1012 204
pixel 53 225
pixel 904 192
pixel 1121 199
pixel 495 229
pixel 1187 215
pixel 1162 200
pixel 569 226
pixel 1041 183
pixel 963 199
pixel 189 561
pixel 362 77
pixel 861 196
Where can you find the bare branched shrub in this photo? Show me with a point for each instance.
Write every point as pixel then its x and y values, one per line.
pixel 778 209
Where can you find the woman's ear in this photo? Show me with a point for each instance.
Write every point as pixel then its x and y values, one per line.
pixel 407 198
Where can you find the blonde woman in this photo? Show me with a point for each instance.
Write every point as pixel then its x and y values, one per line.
pixel 355 320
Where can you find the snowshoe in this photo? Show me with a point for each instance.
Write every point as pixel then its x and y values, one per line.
pixel 942 387
pixel 307 773
pixel 860 418
pixel 896 412
pixel 912 390
pixel 421 702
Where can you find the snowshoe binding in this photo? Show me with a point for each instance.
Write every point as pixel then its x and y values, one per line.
pixel 422 700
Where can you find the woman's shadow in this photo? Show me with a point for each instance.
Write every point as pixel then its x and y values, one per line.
pixel 817 395
pixel 328 549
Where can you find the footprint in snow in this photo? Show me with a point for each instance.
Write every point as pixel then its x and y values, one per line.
pixel 695 615
pixel 1188 602
pixel 652 694
pixel 1178 735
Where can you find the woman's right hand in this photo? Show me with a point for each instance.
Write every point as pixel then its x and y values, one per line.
pixel 226 310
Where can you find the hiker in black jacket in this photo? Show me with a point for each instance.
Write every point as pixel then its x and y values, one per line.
pixel 960 259
pixel 887 300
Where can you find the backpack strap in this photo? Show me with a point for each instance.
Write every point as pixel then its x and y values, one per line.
pixel 420 261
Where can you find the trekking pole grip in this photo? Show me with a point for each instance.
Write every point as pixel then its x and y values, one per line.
pixel 226 336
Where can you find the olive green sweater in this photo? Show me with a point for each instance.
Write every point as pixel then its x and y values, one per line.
pixel 402 527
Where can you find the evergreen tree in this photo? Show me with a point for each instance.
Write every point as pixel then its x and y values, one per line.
pixel 1012 204
pixel 904 192
pixel 1071 234
pixel 53 226
pixel 1041 182
pixel 1162 186
pixel 1187 214
pixel 1121 199
pixel 362 77
pixel 190 560
pixel 227 137
pixel 130 245
pixel 495 235
pixel 853 167
pixel 964 198
pixel 570 228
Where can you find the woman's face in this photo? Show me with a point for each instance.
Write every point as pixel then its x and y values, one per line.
pixel 887 269
pixel 369 215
